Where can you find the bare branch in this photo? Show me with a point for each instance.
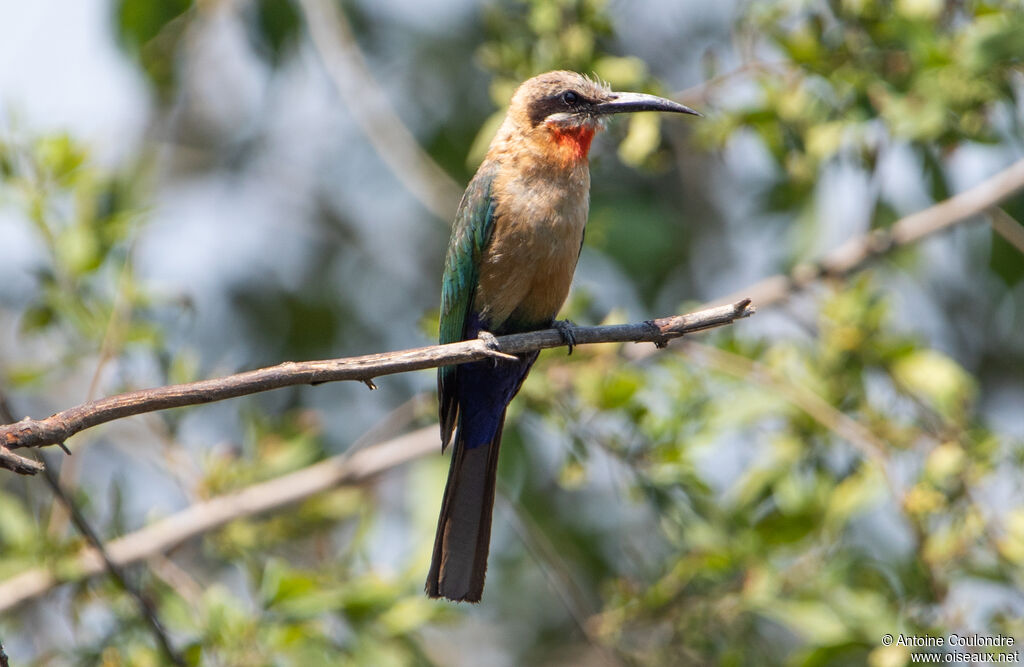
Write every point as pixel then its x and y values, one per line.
pixel 853 254
pixel 8 459
pixel 1007 227
pixel 19 464
pixel 165 534
pixel 59 427
pixel 146 608
pixel 397 147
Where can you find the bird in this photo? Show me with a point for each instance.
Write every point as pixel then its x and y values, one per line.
pixel 517 236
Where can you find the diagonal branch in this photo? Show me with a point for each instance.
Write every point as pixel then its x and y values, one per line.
pixel 856 252
pixel 54 430
pixel 1007 227
pixel 195 520
pixel 345 65
pixel 8 459
pixel 148 611
pixel 19 464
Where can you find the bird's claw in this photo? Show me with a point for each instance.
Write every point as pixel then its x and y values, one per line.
pixel 568 330
pixel 493 348
pixel 489 339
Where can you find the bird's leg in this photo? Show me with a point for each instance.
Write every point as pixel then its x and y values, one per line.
pixel 567 329
pixel 489 339
pixel 493 350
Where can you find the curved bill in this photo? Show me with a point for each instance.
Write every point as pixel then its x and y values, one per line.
pixel 626 102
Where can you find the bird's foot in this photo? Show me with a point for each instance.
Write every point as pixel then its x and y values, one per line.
pixel 568 330
pixel 493 348
pixel 489 339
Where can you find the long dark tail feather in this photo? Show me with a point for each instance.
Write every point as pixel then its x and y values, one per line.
pixel 464 527
pixel 463 537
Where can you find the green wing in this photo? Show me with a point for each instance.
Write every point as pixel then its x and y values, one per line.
pixel 474 225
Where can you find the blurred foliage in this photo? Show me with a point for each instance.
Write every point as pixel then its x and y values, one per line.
pixel 844 80
pixel 781 564
pixel 153 32
pixel 277 26
pixel 85 295
pixel 540 35
pixel 755 498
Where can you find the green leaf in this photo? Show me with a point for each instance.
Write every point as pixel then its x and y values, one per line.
pixel 139 25
pixel 408 614
pixel 277 26
pixel 60 157
pixel 814 620
pixel 933 376
pixel 139 21
pixel 78 249
pixel 854 494
pixel 17 528
pixel 28 374
pixel 36 317
pixel 642 140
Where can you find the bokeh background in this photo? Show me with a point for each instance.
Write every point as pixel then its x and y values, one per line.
pixel 193 188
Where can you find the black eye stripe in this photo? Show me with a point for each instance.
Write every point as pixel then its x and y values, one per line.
pixel 554 103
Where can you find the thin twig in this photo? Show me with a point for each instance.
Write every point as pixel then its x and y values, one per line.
pixel 557 573
pixel 59 427
pixel 339 52
pixel 58 518
pixel 146 608
pixel 165 534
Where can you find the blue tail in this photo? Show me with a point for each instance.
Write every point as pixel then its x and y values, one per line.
pixel 484 390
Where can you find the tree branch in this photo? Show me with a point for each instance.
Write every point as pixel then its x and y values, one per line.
pixel 856 252
pixel 54 430
pixel 8 459
pixel 19 464
pixel 165 534
pixel 346 67
pixel 146 608
pixel 1007 227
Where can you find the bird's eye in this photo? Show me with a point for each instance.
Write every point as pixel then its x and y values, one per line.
pixel 570 97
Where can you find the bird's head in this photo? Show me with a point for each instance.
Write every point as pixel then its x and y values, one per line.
pixel 561 111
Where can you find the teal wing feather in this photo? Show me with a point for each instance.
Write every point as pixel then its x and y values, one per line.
pixel 472 231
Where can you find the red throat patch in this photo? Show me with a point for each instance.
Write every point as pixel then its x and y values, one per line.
pixel 573 142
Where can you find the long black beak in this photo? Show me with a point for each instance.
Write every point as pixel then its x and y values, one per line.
pixel 626 102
